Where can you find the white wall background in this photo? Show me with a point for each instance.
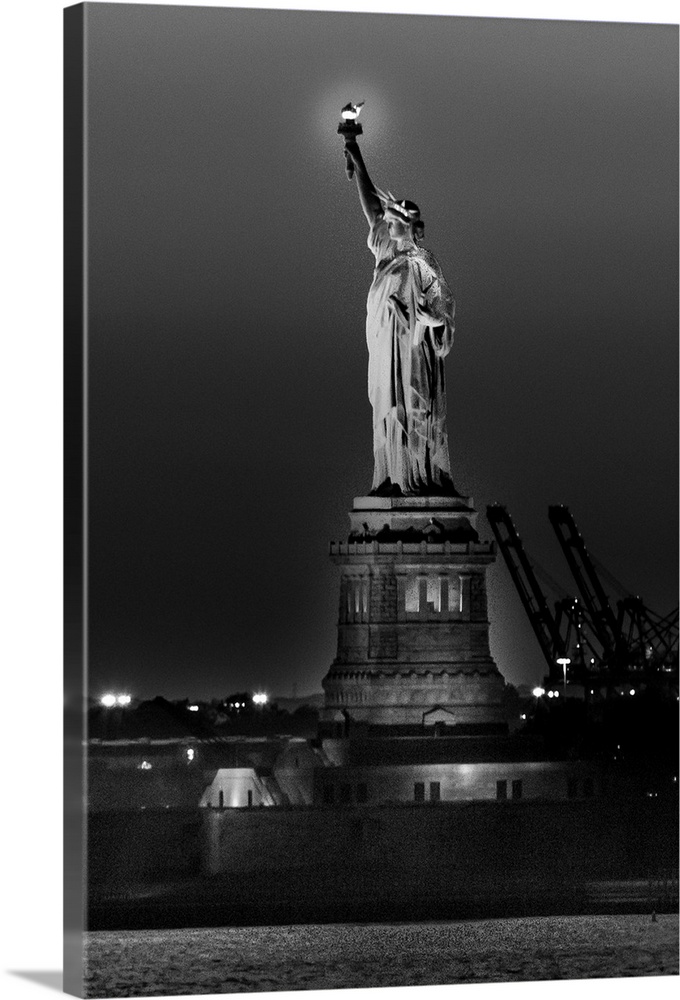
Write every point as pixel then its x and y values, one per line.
pixel 30 397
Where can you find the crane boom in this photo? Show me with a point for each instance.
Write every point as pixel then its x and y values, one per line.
pixel 603 647
pixel 602 618
pixel 542 620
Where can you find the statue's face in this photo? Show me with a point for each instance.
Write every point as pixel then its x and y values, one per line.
pixel 398 228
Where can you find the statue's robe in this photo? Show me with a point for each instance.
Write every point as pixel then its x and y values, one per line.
pixel 406 367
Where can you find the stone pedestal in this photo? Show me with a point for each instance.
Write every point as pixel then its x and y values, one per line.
pixel 413 629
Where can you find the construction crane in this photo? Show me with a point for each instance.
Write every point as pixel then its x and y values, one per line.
pixel 601 646
pixel 651 639
pixel 583 571
pixel 555 628
pixel 542 619
pixel 633 639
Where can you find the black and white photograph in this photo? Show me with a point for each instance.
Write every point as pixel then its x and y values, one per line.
pixel 370 502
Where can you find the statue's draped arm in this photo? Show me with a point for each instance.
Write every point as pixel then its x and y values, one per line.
pixel 430 304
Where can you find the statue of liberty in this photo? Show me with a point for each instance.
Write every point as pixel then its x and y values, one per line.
pixel 409 331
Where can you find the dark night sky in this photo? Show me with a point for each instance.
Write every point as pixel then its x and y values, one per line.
pixel 229 423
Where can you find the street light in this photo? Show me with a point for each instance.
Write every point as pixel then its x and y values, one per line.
pixel 260 698
pixel 538 692
pixel 564 662
pixel 109 700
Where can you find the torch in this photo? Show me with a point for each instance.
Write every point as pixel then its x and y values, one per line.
pixel 350 128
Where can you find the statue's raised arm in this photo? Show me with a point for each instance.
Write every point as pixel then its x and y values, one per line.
pixel 368 193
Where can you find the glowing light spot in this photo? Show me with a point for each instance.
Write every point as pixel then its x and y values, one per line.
pixel 538 692
pixel 145 766
pixel 193 708
pixel 351 111
pixel 260 698
pixel 191 754
pixel 123 699
pixel 109 700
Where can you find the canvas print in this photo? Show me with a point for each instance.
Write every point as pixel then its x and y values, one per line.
pixel 371 492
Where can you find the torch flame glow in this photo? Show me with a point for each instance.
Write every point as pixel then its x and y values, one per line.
pixel 351 111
